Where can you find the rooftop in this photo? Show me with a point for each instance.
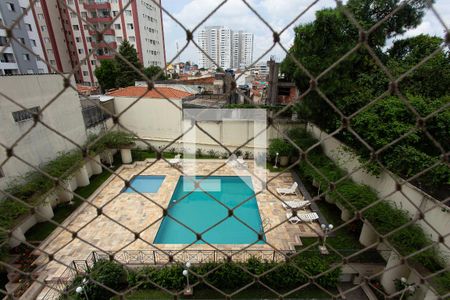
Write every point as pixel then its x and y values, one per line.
pixel 157 93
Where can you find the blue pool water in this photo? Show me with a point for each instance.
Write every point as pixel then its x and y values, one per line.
pixel 145 184
pixel 198 211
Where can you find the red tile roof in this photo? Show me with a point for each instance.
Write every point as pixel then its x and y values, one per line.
pixel 159 93
pixel 84 89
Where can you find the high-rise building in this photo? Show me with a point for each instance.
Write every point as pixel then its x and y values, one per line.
pixel 15 57
pixel 68 33
pixel 225 47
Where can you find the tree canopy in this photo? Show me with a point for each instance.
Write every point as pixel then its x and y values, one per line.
pixel 128 74
pixel 155 73
pixel 357 80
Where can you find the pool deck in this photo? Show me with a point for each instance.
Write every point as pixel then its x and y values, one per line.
pixel 124 216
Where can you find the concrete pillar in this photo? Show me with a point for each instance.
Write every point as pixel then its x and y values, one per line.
pixel 396 271
pixel 44 212
pixel 95 165
pixel 17 237
pixel 82 177
pixel 368 236
pixel 125 154
pixel 64 194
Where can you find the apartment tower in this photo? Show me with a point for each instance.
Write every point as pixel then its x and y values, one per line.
pixel 229 49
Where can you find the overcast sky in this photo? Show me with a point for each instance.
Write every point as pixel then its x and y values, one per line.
pixel 235 15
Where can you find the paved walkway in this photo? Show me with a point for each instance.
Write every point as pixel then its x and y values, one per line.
pixel 123 215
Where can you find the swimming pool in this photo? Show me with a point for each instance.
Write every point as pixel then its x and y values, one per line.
pixel 198 211
pixel 145 184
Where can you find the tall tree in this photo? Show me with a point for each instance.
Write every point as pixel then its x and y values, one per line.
pixel 153 71
pixel 106 74
pixel 127 74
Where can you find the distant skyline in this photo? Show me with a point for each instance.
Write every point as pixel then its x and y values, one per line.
pixel 236 15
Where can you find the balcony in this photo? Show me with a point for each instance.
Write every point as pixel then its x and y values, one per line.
pixel 106 32
pixel 95 5
pixel 104 56
pixel 100 19
pixel 103 44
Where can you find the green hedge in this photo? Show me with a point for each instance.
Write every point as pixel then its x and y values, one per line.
pixel 383 216
pixel 231 276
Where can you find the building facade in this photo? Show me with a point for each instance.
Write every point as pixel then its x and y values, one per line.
pixel 68 32
pixel 228 49
pixel 41 144
pixel 15 58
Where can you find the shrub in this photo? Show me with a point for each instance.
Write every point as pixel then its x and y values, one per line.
pixel 116 139
pixel 280 146
pixel 110 274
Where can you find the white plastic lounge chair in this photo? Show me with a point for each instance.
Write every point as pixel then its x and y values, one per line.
pixel 309 217
pixel 176 161
pixel 299 204
pixel 241 162
pixel 288 191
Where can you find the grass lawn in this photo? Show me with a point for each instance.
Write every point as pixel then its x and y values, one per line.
pixel 345 240
pixel 250 293
pixel 41 230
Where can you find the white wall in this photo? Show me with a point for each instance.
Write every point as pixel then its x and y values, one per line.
pixel 40 144
pixel 437 215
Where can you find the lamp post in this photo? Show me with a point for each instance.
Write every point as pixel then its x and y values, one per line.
pixel 188 290
pixel 276 161
pixel 326 228
pixel 407 287
pixel 80 289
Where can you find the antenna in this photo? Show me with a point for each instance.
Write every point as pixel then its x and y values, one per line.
pixel 178 50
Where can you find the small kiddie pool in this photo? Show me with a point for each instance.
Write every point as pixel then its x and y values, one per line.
pixel 144 184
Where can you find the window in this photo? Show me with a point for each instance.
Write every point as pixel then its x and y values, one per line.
pixel 70 2
pixel 41 71
pixel 93 62
pixel 33 43
pixel 127 12
pixel 43 28
pixel 26 56
pixel 24 11
pixel 22 41
pixel 76 27
pixel 10 6
pixel 80 51
pixel 132 39
pixel 130 26
pixel 3 40
pixel 115 12
pixel 84 15
pixel 77 39
pixel 50 51
pixel 119 39
pixel 41 16
pixel 52 62
pixel 46 40
pixel 29 28
pixel 85 73
pixel 116 26
pixel 73 15
pixel 86 27
pixel 24 115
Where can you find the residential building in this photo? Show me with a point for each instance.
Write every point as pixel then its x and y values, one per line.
pixel 15 58
pixel 242 49
pixel 40 144
pixel 228 49
pixel 70 36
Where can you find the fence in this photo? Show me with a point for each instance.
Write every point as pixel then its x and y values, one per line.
pixel 355 33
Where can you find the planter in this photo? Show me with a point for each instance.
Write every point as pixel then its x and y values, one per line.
pixel 125 154
pixel 329 199
pixel 17 237
pixel 95 165
pixel 64 193
pixel 393 270
pixel 368 236
pixel 82 177
pixel 315 183
pixel 284 161
pixel 44 212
